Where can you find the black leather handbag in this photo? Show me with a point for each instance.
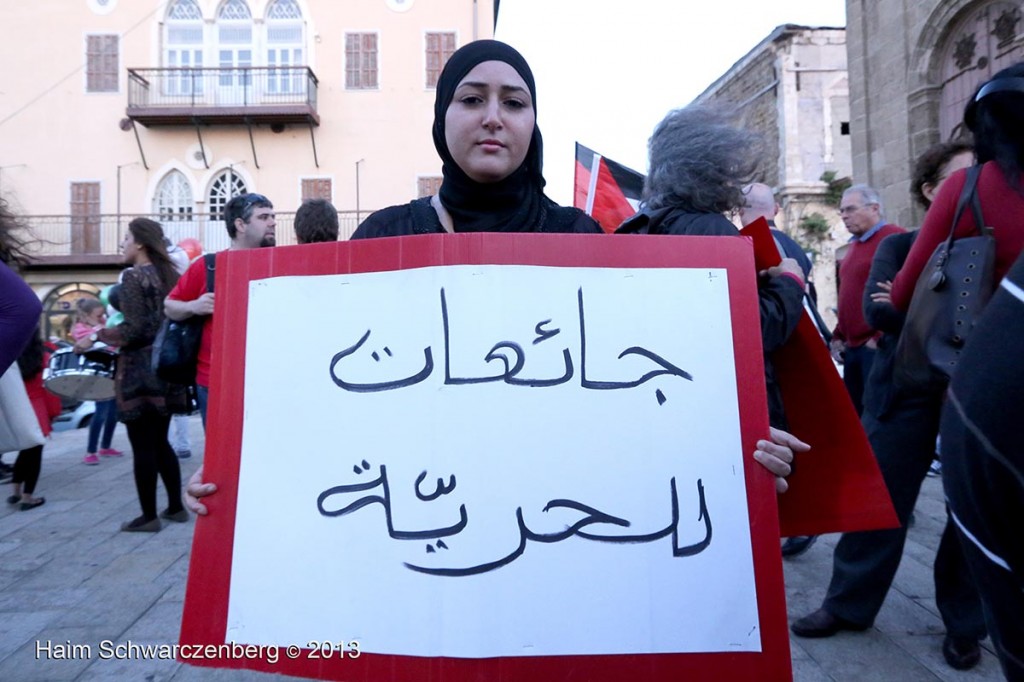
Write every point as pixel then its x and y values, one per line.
pixel 949 296
pixel 176 347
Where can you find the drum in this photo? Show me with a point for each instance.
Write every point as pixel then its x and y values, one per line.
pixel 89 376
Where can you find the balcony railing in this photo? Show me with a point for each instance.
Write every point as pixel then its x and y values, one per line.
pixel 70 239
pixel 271 94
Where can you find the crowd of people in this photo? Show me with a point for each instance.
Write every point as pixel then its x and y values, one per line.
pixel 703 167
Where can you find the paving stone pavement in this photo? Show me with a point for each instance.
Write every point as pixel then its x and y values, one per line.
pixel 67 575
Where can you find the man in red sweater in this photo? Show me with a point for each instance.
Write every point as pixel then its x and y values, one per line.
pixel 853 341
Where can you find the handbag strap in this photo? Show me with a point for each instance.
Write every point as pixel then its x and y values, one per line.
pixel 211 264
pixel 968 195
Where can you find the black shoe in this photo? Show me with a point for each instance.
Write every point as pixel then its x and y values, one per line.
pixel 180 516
pixel 141 525
pixel 40 501
pixel 962 653
pixel 797 545
pixel 821 623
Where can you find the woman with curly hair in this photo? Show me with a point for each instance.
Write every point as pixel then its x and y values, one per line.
pixel 699 163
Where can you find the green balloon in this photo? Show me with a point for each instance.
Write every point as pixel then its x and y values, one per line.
pixel 105 295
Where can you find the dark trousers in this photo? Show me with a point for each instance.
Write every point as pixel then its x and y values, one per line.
pixel 987 497
pixel 105 420
pixel 27 467
pixel 856 369
pixel 152 456
pixel 865 563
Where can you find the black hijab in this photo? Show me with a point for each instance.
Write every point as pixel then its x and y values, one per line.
pixel 515 204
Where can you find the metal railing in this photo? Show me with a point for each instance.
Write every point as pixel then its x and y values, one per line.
pixel 221 87
pixel 101 235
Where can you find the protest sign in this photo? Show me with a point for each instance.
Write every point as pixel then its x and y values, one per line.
pixel 490 455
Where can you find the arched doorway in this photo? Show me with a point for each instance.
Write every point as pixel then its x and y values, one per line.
pixel 987 39
pixel 59 309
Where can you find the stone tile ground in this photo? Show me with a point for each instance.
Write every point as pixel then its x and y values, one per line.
pixel 68 575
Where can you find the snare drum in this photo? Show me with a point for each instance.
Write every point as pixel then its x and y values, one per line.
pixel 89 376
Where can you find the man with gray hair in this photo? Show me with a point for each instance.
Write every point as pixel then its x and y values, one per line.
pixel 854 341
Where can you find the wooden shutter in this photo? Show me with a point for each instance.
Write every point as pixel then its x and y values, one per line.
pixel 428 186
pixel 317 188
pixel 360 60
pixel 85 217
pixel 440 47
pixel 101 63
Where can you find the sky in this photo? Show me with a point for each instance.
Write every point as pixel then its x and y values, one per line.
pixel 607 71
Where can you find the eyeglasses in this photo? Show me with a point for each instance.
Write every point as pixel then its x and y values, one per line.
pixel 846 210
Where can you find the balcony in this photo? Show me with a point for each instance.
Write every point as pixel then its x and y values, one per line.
pixel 266 94
pixel 64 241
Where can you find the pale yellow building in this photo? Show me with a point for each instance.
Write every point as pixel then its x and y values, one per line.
pixel 115 108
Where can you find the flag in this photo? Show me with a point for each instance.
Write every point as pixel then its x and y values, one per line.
pixel 606 190
pixel 837 486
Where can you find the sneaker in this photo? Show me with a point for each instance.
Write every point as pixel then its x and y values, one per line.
pixel 110 452
pixel 935 469
pixel 91 458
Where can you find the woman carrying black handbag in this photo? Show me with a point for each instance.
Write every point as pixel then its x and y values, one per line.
pixel 982 433
pixel 996 117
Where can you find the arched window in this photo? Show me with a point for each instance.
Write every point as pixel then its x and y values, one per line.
pixel 285 48
pixel 986 40
pixel 226 185
pixel 183 48
pixel 234 53
pixel 174 206
pixel 173 199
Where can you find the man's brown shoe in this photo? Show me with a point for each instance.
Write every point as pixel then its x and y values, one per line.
pixel 821 623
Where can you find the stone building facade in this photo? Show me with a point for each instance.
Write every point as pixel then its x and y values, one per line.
pixel 913 67
pixel 792 89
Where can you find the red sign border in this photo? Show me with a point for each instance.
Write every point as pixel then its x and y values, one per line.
pixel 205 615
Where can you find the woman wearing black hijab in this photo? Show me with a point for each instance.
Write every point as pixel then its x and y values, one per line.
pixel 486 134
pixel 485 131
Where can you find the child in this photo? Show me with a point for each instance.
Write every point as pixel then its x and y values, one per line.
pixel 90 318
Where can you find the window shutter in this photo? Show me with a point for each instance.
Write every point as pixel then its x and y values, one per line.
pixel 317 188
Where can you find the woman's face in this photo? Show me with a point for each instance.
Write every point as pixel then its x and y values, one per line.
pixel 489 123
pixel 129 248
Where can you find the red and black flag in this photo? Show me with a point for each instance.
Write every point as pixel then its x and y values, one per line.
pixel 607 191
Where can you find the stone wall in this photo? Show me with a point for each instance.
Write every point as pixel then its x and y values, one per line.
pixel 896 80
